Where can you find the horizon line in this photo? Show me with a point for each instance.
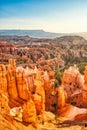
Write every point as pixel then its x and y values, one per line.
pixel 42 30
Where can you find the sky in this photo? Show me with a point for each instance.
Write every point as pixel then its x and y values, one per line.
pixel 61 16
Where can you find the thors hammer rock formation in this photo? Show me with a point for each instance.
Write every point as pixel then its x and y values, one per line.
pixel 22 87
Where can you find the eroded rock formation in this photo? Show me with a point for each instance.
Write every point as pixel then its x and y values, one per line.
pixel 72 83
pixel 75 86
pixel 62 97
pixel 27 93
pixel 26 89
pixel 16 90
pixel 29 112
pixel 84 94
pixel 4 108
pixel 50 91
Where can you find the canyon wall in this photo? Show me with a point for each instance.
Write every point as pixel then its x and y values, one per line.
pixel 29 90
pixel 72 95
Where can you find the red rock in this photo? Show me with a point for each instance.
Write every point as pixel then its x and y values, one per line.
pixel 40 90
pixel 73 83
pixel 70 112
pixel 62 97
pixel 29 112
pixel 38 103
pixel 50 92
pixel 84 93
pixel 23 92
pixel 3 79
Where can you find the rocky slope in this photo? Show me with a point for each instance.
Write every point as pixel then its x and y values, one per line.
pixel 28 96
pixel 23 97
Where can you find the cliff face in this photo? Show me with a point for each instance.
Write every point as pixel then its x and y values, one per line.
pixel 21 91
pixel 4 108
pixel 24 90
pixel 72 95
pixel 85 88
pixel 73 82
pixel 27 93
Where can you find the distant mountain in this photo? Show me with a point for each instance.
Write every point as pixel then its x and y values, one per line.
pixel 31 33
pixel 38 33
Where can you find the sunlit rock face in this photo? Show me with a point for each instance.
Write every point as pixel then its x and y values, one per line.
pixel 11 80
pixel 62 97
pixel 4 108
pixel 72 80
pixel 84 94
pixel 25 84
pixel 38 103
pixel 74 106
pixel 50 92
pixel 21 87
pixel 29 112
pixel 16 111
pixel 73 83
pixel 39 97
pixel 28 93
pixel 85 77
pixel 70 112
pixel 3 79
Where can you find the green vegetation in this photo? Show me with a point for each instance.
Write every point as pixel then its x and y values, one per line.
pixel 58 77
pixel 59 72
pixel 52 56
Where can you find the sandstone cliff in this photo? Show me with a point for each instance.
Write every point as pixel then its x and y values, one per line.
pixel 26 94
pixel 72 99
pixel 22 94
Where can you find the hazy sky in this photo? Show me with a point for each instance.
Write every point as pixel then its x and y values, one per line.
pixel 49 15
